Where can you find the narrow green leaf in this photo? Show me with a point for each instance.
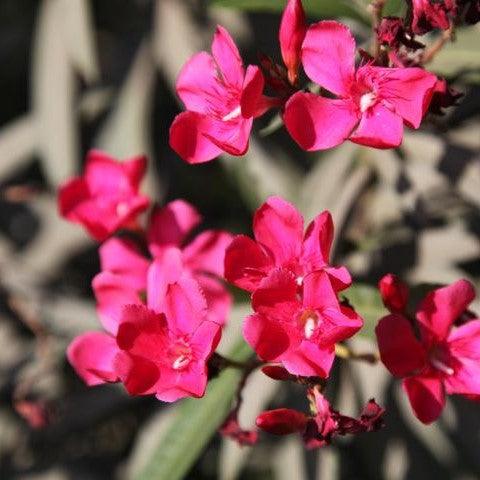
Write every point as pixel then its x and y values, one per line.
pixel 316 8
pixel 196 422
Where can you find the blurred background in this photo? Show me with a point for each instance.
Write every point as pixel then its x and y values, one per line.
pixel 78 74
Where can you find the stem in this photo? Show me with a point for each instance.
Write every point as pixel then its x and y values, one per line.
pixel 342 351
pixel 436 46
pixel 376 9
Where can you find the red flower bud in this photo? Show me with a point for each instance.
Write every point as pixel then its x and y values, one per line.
pixel 282 421
pixel 394 293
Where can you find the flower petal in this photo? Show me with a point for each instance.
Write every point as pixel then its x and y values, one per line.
pixel 188 139
pixel 318 241
pixel 318 123
pixel 278 225
pixel 464 347
pixel 165 270
pixel 328 56
pixel 231 136
pixel 246 263
pixel 276 297
pixel 379 127
pixel 219 300
pixel 206 253
pixel 407 91
pixel 250 100
pixel 113 292
pixel 92 355
pixel 291 35
pixel 395 337
pixel 309 360
pixel 228 58
pixel 441 307
pixel 197 84
pixel 122 257
pixel 427 397
pixel 170 225
pixel 267 338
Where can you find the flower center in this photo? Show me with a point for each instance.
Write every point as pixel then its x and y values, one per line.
pixel 181 355
pixel 439 360
pixel 308 322
pixel 367 100
pixel 233 114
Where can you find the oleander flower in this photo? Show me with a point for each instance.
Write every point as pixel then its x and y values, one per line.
pixel 221 97
pixel 105 198
pixel 372 103
pixel 444 359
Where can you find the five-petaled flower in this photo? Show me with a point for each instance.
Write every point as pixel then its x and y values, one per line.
pixel 372 103
pixel 299 326
pixel 222 99
pixel 445 359
pixel 159 348
pixel 281 242
pixel 106 197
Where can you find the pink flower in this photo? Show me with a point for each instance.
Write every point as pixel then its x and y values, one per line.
pixel 124 268
pixel 106 197
pixel 318 430
pixel 428 15
pixel 280 242
pixel 292 32
pixel 298 331
pixel 161 348
pixel 372 103
pixel 221 98
pixel 443 360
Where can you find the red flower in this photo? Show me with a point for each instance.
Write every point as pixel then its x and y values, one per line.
pixel 280 242
pixel 372 103
pixel 444 360
pixel 298 331
pixel 221 98
pixel 106 197
pixel 161 348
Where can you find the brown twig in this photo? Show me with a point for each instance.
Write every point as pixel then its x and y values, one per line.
pixel 431 52
pixel 376 9
pixel 342 351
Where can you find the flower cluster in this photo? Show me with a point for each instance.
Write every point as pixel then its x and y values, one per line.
pixel 160 294
pixel 368 104
pixel 162 312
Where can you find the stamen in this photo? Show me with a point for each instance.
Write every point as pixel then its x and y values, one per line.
pixel 367 100
pixel 439 365
pixel 233 114
pixel 309 327
pixel 181 362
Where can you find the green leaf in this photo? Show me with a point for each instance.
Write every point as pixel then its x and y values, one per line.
pixel 367 302
pixel 196 422
pixel 316 8
pixel 460 57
